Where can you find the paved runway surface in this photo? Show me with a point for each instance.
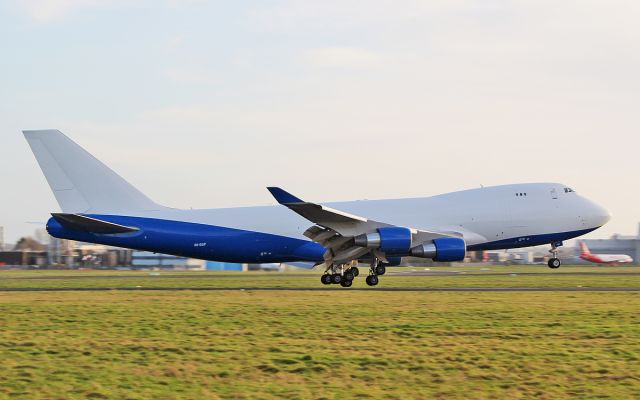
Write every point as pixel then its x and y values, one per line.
pixel 455 273
pixel 328 288
pixel 275 274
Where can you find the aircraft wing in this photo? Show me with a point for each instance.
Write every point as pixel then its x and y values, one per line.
pixel 337 230
pixel 344 223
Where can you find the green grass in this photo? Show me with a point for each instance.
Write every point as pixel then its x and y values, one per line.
pixel 471 277
pixel 318 345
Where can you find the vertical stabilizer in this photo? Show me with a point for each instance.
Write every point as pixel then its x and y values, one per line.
pixel 79 181
pixel 584 250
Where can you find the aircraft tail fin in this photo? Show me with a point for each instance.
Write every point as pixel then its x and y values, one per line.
pixel 80 182
pixel 584 250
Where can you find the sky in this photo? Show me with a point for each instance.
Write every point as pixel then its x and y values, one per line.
pixel 205 103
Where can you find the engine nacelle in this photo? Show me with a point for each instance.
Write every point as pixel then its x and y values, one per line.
pixel 442 249
pixel 390 239
pixel 392 261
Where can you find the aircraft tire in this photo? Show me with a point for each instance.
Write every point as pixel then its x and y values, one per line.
pixel 380 270
pixel 348 276
pixel 346 283
pixel 325 279
pixel 355 271
pixel 336 278
pixel 554 263
pixel 372 280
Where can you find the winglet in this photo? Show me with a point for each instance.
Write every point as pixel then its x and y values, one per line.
pixel 282 196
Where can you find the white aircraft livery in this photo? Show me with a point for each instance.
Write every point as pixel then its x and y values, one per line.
pixel 586 255
pixel 99 206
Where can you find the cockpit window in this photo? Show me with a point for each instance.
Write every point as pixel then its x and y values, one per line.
pixel 568 190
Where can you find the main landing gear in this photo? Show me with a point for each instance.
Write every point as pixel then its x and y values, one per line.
pixel 344 274
pixel 375 270
pixel 554 261
pixel 338 275
pixel 372 280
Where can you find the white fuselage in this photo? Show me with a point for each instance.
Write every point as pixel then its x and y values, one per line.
pixel 517 212
pixel 607 258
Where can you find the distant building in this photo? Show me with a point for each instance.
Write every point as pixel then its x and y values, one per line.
pixel 146 259
pixel 23 258
pixel 223 266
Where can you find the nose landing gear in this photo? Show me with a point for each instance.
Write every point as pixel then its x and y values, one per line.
pixel 554 261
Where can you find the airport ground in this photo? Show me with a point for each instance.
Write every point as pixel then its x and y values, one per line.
pixel 569 333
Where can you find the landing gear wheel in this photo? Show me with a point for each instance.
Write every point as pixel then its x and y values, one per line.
pixel 372 280
pixel 554 263
pixel 380 270
pixel 336 278
pixel 355 271
pixel 325 279
pixel 346 283
pixel 348 275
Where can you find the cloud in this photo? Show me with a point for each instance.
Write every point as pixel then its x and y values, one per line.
pixel 50 10
pixel 346 15
pixel 342 57
pixel 191 74
pixel 175 42
pixel 47 10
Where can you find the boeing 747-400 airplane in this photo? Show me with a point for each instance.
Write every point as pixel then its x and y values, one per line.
pixel 99 206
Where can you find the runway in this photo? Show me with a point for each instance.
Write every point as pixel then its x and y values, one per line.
pixel 547 273
pixel 307 275
pixel 325 289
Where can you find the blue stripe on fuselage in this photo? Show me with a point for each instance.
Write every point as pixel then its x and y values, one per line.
pixel 528 241
pixel 201 241
pixel 217 243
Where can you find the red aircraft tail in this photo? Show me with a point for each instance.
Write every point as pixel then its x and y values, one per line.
pixel 584 250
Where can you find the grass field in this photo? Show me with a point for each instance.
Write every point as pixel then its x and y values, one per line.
pixel 511 276
pixel 337 344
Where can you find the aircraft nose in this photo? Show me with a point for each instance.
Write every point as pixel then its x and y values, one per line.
pixel 600 215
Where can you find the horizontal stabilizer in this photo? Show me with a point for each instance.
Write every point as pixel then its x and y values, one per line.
pixel 83 223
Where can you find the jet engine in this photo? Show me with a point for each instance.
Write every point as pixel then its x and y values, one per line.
pixel 397 240
pixel 442 249
pixel 389 239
